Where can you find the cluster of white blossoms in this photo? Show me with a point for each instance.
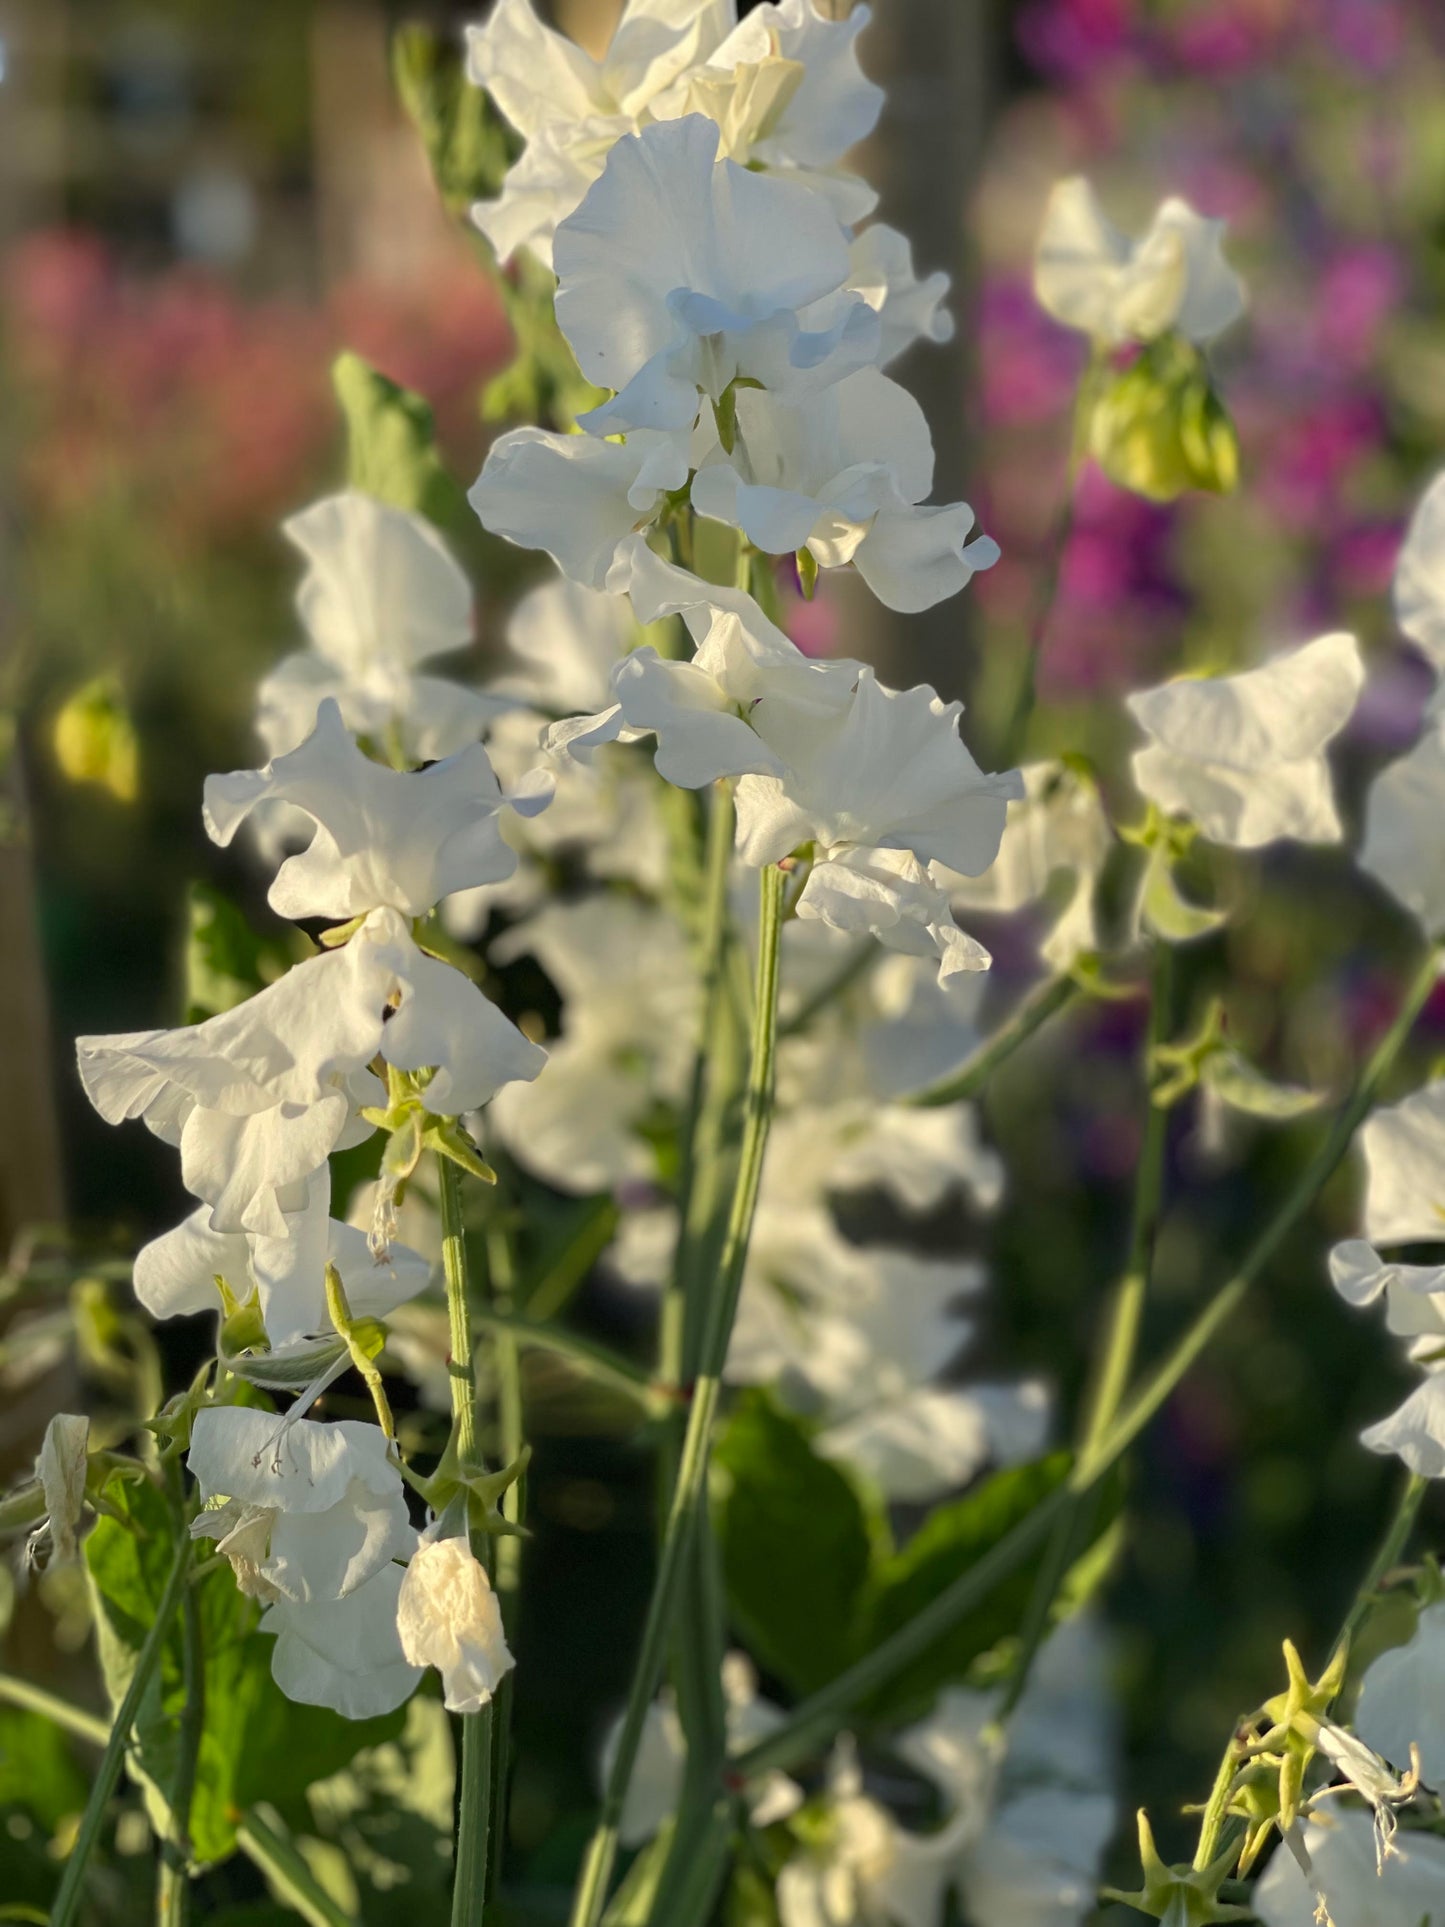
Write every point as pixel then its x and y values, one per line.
pixel 374 1027
pixel 689 189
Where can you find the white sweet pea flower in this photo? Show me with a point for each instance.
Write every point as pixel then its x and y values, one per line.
pixel 1414 1294
pixel 1344 1882
pixel 1091 276
pixel 384 838
pixel 304 1511
pixel 865 1870
pixel 909 309
pixel 571 108
pixel 258 1097
pixel 877 779
pixel 176 1273
pixel 1057 825
pixel 581 500
pixel 382 594
pixel 565 641
pixel 655 1788
pixel 844 475
pixel 448 1616
pixel 1401 1697
pixel 1402 848
pixel 1404 1151
pixel 681 274
pixel 1244 756
pixel 343 1653
pixel 784 88
pixel 626 976
pixel 61 1468
pixel 789 97
pixel 1420 577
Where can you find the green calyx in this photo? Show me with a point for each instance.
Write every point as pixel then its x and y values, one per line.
pixel 455 1486
pixel 1179 1896
pixel 1158 427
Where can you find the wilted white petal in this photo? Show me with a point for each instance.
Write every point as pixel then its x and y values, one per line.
pixel 61 1468
pixel 448 1617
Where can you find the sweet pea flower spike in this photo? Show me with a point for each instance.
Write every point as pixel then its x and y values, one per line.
pixel 1243 756
pixel 400 840
pixel 1091 276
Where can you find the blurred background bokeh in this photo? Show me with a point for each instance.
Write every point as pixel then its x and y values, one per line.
pixel 201 201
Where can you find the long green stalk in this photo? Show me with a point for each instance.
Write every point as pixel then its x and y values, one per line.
pixel 507 1371
pixel 1033 1011
pixel 690 1486
pixel 72 1881
pixel 173 1889
pixel 1121 1334
pixel 70 1719
pixel 818 1717
pixel 469 1890
pixel 592 1359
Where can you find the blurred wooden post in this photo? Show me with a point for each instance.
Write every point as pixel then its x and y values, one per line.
pixel 934 58
pixel 32 1189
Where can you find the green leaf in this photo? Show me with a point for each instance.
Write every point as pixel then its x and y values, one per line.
pixel 38 1770
pixel 466 140
pixel 950 1542
pixel 225 962
pixel 390 1814
pixel 392 451
pixel 796 1544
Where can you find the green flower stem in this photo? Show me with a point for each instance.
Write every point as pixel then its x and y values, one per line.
pixel 1121 1331
pixel 815 1721
pixel 263 1838
pixel 469 1891
pixel 690 1488
pixel 173 1889
pixel 595 1360
pixel 1391 1551
pixel 572 1264
pixel 1016 728
pixel 1033 1011
pixel 1127 1310
pixel 72 1882
pixel 507 1368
